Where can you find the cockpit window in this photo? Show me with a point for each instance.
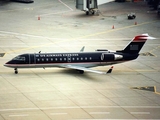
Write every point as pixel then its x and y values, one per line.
pixel 19 58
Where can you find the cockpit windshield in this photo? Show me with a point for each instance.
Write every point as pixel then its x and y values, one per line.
pixel 19 58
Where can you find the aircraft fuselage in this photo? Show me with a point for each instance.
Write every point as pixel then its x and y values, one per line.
pixel 83 59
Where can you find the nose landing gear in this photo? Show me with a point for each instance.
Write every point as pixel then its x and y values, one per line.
pixel 15 71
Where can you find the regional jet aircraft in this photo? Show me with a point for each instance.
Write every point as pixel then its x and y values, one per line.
pixel 81 61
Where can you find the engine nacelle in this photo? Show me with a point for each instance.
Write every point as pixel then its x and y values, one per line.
pixel 110 57
pixel 117 57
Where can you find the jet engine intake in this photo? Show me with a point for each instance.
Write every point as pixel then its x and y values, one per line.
pixel 107 57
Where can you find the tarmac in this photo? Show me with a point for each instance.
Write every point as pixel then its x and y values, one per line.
pixel 131 91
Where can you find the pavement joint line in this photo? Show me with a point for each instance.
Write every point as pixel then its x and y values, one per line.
pixel 99 113
pixel 53 13
pixel 58 113
pixel 140 113
pixel 85 36
pixel 23 115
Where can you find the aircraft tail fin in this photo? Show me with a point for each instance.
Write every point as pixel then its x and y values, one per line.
pixel 136 44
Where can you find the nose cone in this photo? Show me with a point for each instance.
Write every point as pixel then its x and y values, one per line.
pixel 8 64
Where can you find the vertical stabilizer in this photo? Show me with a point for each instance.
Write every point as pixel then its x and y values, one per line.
pixel 136 44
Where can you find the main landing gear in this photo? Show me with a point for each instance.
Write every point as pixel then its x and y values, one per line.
pixel 15 71
pixel 90 12
pixel 80 71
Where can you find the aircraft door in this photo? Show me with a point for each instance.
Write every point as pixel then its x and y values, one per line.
pixel 68 59
pixel 32 59
pixel 102 58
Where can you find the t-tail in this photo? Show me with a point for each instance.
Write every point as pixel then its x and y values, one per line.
pixel 136 44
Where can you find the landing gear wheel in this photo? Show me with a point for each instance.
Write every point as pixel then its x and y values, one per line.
pixel 16 71
pixel 93 12
pixel 87 12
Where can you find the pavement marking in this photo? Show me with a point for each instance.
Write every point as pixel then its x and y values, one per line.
pixel 2 54
pixel 58 113
pixel 51 38
pixel 65 5
pixel 85 36
pixel 101 113
pixel 23 115
pixel 117 29
pixel 77 107
pixel 155 89
pixel 140 113
pixel 56 13
pixel 29 35
pixel 148 88
pixel 70 9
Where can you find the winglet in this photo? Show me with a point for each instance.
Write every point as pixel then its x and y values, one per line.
pixel 110 70
pixel 82 49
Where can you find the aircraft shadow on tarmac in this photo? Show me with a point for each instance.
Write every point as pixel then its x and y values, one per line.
pixel 57 72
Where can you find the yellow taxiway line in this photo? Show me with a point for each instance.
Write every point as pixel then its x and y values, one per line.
pixel 85 36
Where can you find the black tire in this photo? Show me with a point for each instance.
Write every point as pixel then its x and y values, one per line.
pixel 16 72
pixel 87 13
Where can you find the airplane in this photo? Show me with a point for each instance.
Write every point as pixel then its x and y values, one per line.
pixel 80 61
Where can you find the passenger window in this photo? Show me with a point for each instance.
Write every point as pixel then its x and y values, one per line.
pixel 42 59
pixel 72 58
pixel 37 55
pixel 90 58
pixel 85 58
pixel 81 58
pixel 77 58
pixel 56 59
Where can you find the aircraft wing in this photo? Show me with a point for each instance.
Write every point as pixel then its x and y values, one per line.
pixel 84 69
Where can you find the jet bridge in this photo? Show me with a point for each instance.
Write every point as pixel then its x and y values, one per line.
pixel 89 6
